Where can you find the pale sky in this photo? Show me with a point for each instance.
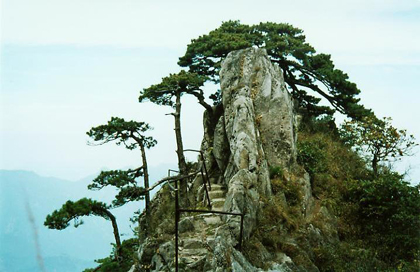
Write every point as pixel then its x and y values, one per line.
pixel 69 65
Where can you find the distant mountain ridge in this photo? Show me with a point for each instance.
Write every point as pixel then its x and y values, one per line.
pixel 72 249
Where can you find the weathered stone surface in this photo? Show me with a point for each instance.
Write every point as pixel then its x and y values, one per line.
pixel 254 128
pixel 163 259
pixel 221 149
pixel 257 109
pixel 185 225
pixel 308 200
pixel 259 125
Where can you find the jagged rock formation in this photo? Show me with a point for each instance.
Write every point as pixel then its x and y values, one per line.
pixel 255 129
pixel 259 126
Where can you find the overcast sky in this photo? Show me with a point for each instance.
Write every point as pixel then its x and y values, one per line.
pixel 69 65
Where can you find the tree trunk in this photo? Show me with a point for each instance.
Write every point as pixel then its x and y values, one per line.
pixel 375 165
pixel 116 233
pixel 146 185
pixel 182 164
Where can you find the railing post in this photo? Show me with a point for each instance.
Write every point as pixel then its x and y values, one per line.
pixel 205 169
pixel 241 231
pixel 205 187
pixel 176 225
pixel 178 210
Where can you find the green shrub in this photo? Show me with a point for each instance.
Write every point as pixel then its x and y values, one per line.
pixel 290 189
pixel 345 257
pixel 276 172
pixel 388 213
pixel 321 153
pixel 312 155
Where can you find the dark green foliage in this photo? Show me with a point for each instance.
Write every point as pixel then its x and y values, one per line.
pixel 303 69
pixel 322 124
pixel 128 194
pixel 60 219
pixel 117 178
pixel 183 82
pixel 128 133
pixel 129 248
pixel 192 166
pixel 124 180
pixel 312 156
pixel 290 189
pixel 378 217
pixel 321 151
pixel 388 214
pixel 276 172
pixel 344 257
pixel 132 135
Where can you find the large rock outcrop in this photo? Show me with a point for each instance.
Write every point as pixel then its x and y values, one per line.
pixel 254 130
pixel 258 125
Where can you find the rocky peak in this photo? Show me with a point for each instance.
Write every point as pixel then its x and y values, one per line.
pixel 255 129
pixel 258 110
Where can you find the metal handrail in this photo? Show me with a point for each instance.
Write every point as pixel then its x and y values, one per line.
pixel 205 177
pixel 178 211
pixel 204 163
pixel 226 213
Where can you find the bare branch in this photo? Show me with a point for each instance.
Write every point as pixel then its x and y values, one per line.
pixel 171 179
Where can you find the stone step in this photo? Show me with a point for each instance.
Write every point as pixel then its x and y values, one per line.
pixel 213 180
pixel 217 202
pixel 203 215
pixel 188 260
pixel 192 252
pixel 214 220
pixel 216 187
pixel 197 265
pixel 217 209
pixel 217 194
pixel 191 243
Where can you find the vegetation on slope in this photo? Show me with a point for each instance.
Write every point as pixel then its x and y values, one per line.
pixel 359 221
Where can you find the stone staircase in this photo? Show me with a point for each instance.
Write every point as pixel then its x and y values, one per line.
pixel 217 197
pixel 197 233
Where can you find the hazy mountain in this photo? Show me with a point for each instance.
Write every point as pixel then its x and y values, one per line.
pixel 25 195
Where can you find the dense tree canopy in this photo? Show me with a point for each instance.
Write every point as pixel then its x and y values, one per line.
pixel 303 69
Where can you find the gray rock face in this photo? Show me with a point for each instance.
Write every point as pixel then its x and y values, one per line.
pixel 260 128
pixel 258 110
pixel 220 145
pixel 256 130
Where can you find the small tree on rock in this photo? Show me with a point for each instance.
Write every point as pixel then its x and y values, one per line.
pixel 131 134
pixel 377 139
pixel 60 219
pixel 172 88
